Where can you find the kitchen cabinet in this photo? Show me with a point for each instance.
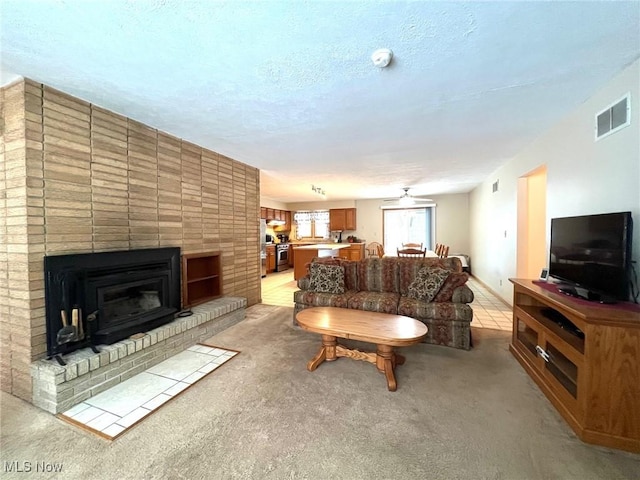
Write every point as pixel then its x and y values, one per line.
pixel 350 219
pixel 355 251
pixel 580 357
pixel 304 254
pixel 285 216
pixel 270 214
pixel 271 258
pixel 341 219
pixel 201 278
pixel 277 214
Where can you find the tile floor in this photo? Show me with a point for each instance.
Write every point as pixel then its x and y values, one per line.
pixel 113 411
pixel 488 310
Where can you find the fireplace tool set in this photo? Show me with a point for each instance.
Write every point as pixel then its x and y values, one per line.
pixel 71 331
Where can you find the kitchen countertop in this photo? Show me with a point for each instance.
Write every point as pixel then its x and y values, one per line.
pixel 323 246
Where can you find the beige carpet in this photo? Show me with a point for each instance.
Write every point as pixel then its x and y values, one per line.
pixel 456 415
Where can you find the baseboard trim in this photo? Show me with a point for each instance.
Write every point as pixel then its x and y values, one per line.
pixel 492 291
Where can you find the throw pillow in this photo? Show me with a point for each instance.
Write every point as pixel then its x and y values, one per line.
pixel 454 280
pixel 427 283
pixel 326 278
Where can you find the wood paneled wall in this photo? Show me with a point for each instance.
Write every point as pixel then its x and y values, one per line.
pixel 76 178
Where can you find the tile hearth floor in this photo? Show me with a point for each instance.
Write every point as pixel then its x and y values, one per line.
pixel 113 411
pixel 488 310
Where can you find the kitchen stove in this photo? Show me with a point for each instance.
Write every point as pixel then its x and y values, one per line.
pixel 282 256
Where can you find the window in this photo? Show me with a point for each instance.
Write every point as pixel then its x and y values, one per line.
pixel 312 224
pixel 410 225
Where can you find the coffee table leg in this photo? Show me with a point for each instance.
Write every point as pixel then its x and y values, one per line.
pixel 327 352
pixel 386 361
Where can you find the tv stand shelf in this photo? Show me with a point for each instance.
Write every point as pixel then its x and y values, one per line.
pixel 591 376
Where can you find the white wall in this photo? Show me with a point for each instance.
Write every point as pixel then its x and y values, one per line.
pixel 269 203
pixel 321 205
pixel 583 177
pixel 452 221
pixel 452 218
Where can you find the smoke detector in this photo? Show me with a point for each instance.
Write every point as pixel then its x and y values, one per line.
pixel 382 57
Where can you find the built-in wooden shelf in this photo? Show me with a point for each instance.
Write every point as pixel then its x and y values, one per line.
pixel 201 278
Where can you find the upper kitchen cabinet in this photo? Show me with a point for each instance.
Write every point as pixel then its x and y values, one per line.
pixel 286 218
pixel 269 214
pixel 341 219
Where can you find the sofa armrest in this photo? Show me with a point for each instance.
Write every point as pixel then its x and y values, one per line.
pixel 303 282
pixel 462 294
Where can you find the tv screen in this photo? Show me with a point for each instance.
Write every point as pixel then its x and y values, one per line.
pixel 593 252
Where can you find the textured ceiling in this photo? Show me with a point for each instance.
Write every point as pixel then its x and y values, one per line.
pixel 289 86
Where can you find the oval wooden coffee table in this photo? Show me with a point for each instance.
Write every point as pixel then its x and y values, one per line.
pixel 383 329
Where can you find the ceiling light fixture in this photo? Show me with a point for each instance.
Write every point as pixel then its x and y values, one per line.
pixel 406 201
pixel 382 57
pixel 318 190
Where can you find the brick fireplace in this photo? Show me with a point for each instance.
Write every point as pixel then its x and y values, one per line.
pixel 77 178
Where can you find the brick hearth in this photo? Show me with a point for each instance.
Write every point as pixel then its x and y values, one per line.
pixel 57 388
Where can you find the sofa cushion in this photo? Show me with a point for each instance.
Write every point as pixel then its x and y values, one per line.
pixel 383 302
pixel 378 274
pixel 448 311
pixel 453 281
pixel 350 270
pixel 408 268
pixel 427 283
pixel 320 299
pixel 326 278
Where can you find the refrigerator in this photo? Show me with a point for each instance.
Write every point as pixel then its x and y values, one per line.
pixel 263 247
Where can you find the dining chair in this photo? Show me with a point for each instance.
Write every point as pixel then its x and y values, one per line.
pixel 444 251
pixel 374 249
pixel 412 245
pixel 411 252
pixel 438 249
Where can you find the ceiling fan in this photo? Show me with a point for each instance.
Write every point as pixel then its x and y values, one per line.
pixel 406 200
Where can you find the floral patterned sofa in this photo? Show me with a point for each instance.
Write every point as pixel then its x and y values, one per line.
pixel 432 290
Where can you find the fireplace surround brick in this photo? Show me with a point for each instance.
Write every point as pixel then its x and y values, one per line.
pixel 77 178
pixel 57 388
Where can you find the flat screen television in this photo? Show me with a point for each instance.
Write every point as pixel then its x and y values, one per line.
pixel 591 255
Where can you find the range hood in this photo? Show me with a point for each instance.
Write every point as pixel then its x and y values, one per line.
pixel 275 223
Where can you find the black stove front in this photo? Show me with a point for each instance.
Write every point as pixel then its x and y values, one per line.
pixel 101 298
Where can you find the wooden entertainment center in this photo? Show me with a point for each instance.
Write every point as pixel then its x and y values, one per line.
pixel 585 357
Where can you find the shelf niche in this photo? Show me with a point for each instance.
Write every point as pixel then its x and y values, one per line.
pixel 201 278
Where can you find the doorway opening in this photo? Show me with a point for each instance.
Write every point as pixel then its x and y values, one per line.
pixel 532 223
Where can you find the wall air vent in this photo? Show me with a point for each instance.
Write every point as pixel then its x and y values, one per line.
pixel 613 118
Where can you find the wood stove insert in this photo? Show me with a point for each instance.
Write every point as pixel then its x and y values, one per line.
pixel 101 298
